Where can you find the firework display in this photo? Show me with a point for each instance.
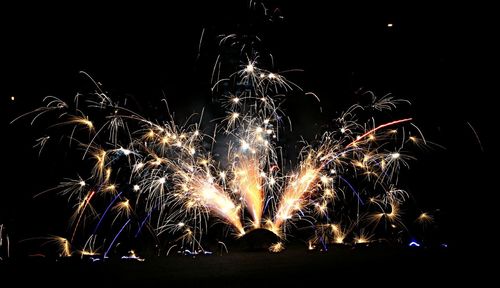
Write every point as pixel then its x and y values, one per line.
pixel 172 181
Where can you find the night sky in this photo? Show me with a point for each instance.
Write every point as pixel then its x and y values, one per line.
pixel 432 55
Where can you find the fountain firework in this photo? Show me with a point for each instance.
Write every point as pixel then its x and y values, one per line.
pixel 161 175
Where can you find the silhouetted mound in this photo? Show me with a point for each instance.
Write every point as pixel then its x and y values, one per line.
pixel 258 240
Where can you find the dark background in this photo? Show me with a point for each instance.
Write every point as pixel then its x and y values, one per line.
pixel 437 56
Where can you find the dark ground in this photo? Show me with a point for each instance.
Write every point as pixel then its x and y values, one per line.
pixel 379 266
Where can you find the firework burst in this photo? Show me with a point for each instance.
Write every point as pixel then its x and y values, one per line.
pixel 160 175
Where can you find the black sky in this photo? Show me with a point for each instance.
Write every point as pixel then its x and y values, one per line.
pixel 432 55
